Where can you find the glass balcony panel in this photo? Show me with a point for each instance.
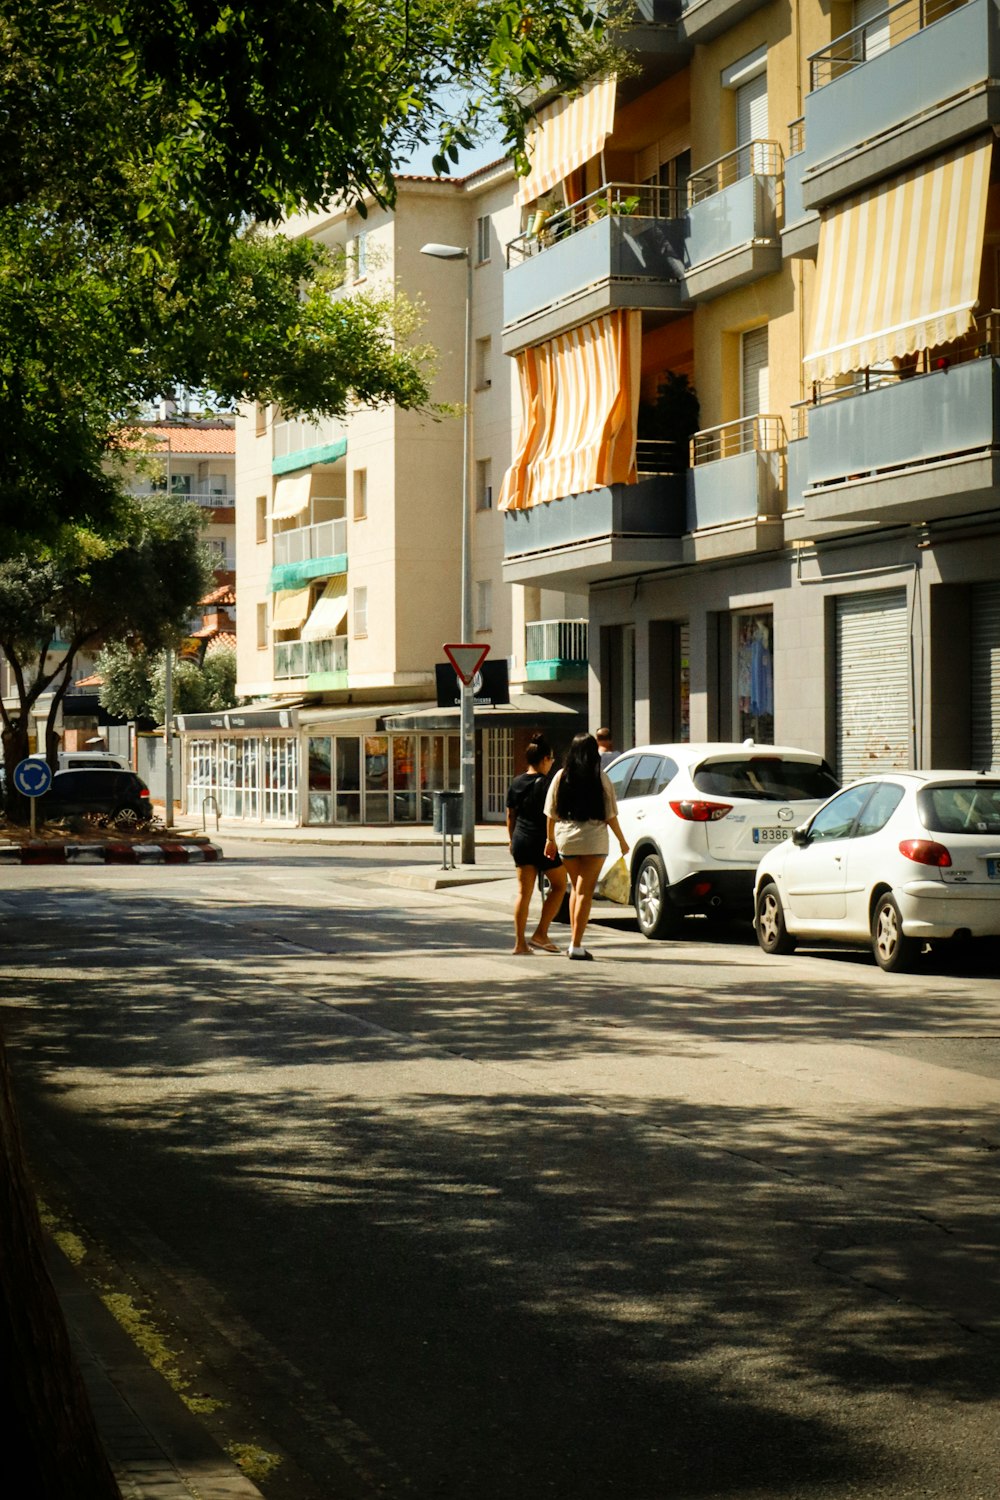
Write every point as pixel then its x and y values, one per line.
pixel 737 473
pixel 861 89
pixel 304 543
pixel 289 659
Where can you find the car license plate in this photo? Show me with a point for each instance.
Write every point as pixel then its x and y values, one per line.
pixel 770 835
pixel 993 869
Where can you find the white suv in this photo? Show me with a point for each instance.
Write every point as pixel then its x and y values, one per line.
pixel 699 817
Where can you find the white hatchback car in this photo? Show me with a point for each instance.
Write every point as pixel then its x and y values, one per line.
pixel 898 860
pixel 697 818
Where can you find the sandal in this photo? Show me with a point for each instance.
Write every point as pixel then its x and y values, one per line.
pixel 544 947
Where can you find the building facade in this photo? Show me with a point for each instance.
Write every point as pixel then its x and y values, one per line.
pixel 348 542
pixel 793 212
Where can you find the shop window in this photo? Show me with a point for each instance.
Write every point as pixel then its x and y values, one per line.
pixel 753 675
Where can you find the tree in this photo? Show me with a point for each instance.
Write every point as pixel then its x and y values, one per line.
pixel 133 685
pixel 141 581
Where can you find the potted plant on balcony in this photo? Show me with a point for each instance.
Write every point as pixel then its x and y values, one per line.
pixel 672 418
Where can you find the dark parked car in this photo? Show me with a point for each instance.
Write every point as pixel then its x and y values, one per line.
pixel 113 796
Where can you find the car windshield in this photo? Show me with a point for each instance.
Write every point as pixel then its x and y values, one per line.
pixel 766 778
pixel 961 807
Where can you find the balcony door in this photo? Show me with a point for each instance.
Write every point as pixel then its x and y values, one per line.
pixel 751 123
pixel 755 384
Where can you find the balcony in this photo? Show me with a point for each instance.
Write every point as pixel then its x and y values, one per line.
pixel 203 492
pixel 920 448
pixel 620 247
pixel 613 532
pixel 735 489
pixel 298 444
pixel 309 552
pixel 908 83
pixel 314 664
pixel 701 20
pixel 732 225
pixel 555 650
pixel 800 225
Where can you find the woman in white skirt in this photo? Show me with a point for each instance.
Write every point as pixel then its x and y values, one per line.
pixel 579 809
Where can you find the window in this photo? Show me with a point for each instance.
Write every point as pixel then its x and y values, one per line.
pixel 884 801
pixel 261 519
pixel 361 611
pixel 483 238
pixel 484 484
pixel 753 676
pixel 262 627
pixel 619 773
pixel 747 78
pixel 259 418
pixel 484 359
pixel 357 256
pixel 652 774
pixel 360 494
pixel 836 820
pixel 216 546
pixel 755 382
pixel 484 605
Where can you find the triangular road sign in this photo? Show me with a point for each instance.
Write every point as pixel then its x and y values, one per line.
pixel 466 660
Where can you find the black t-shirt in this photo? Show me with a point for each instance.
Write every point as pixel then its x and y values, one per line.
pixel 526 799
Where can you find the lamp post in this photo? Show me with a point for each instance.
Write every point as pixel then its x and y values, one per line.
pixel 468 852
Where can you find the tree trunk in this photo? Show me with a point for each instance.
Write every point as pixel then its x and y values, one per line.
pixel 50 1436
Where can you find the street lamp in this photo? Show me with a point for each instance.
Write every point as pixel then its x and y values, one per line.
pixel 458 252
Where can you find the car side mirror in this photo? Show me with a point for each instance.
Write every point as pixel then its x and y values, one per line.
pixel 802 837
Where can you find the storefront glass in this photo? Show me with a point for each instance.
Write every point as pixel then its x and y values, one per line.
pixel 754 676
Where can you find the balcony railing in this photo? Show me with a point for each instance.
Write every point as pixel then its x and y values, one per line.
pixel 325 539
pixel 981 342
pixel 616 199
pixel 861 43
pixel 754 159
pixel 658 456
pixel 304 658
pixel 763 434
pixel 555 640
pixel 201 492
pixel 295 435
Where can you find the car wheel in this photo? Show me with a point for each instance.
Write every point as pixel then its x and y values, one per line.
pixel 893 950
pixel 658 917
pixel 772 935
pixel 125 817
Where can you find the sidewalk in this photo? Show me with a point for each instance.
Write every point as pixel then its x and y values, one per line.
pixel 157 1448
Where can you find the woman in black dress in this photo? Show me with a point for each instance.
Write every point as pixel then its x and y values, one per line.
pixel 526 831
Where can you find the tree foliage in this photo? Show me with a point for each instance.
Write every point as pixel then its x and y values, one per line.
pixel 140 582
pixel 134 683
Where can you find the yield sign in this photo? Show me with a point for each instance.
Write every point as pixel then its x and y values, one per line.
pixel 466 660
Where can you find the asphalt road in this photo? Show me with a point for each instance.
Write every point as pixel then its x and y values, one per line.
pixel 431 1221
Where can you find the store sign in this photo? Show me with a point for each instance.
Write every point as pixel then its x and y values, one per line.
pixel 489 686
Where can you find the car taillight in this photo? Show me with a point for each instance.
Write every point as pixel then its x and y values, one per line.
pixel 144 792
pixel 925 852
pixel 701 812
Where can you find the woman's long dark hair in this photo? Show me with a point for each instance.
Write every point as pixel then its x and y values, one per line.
pixel 580 795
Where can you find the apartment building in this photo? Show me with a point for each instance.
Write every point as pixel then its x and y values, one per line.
pixel 194 457
pixel 349 559
pixel 791 210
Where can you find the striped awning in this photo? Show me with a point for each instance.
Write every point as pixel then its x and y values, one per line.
pixel 579 412
pixel 290 609
pixel 565 135
pixel 329 612
pixel 291 496
pixel 899 264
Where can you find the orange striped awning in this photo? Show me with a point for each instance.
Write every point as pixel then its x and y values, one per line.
pixel 579 412
pixel 565 135
pixel 899 264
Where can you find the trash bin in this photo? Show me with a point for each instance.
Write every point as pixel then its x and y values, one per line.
pixel 447 812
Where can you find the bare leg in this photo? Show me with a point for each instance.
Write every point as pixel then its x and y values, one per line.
pixel 584 870
pixel 550 906
pixel 522 901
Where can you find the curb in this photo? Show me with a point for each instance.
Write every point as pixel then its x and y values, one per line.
pixel 109 854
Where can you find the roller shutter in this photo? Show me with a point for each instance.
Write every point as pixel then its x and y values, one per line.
pixel 986 676
pixel 873 684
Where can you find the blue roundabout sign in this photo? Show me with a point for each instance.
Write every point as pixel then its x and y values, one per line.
pixel 32 777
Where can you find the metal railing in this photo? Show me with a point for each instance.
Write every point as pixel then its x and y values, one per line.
pixel 303 658
pixel 615 199
pixel 981 342
pixel 658 456
pixel 325 539
pixel 753 159
pixel 762 434
pixel 201 492
pixel 859 45
pixel 556 640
